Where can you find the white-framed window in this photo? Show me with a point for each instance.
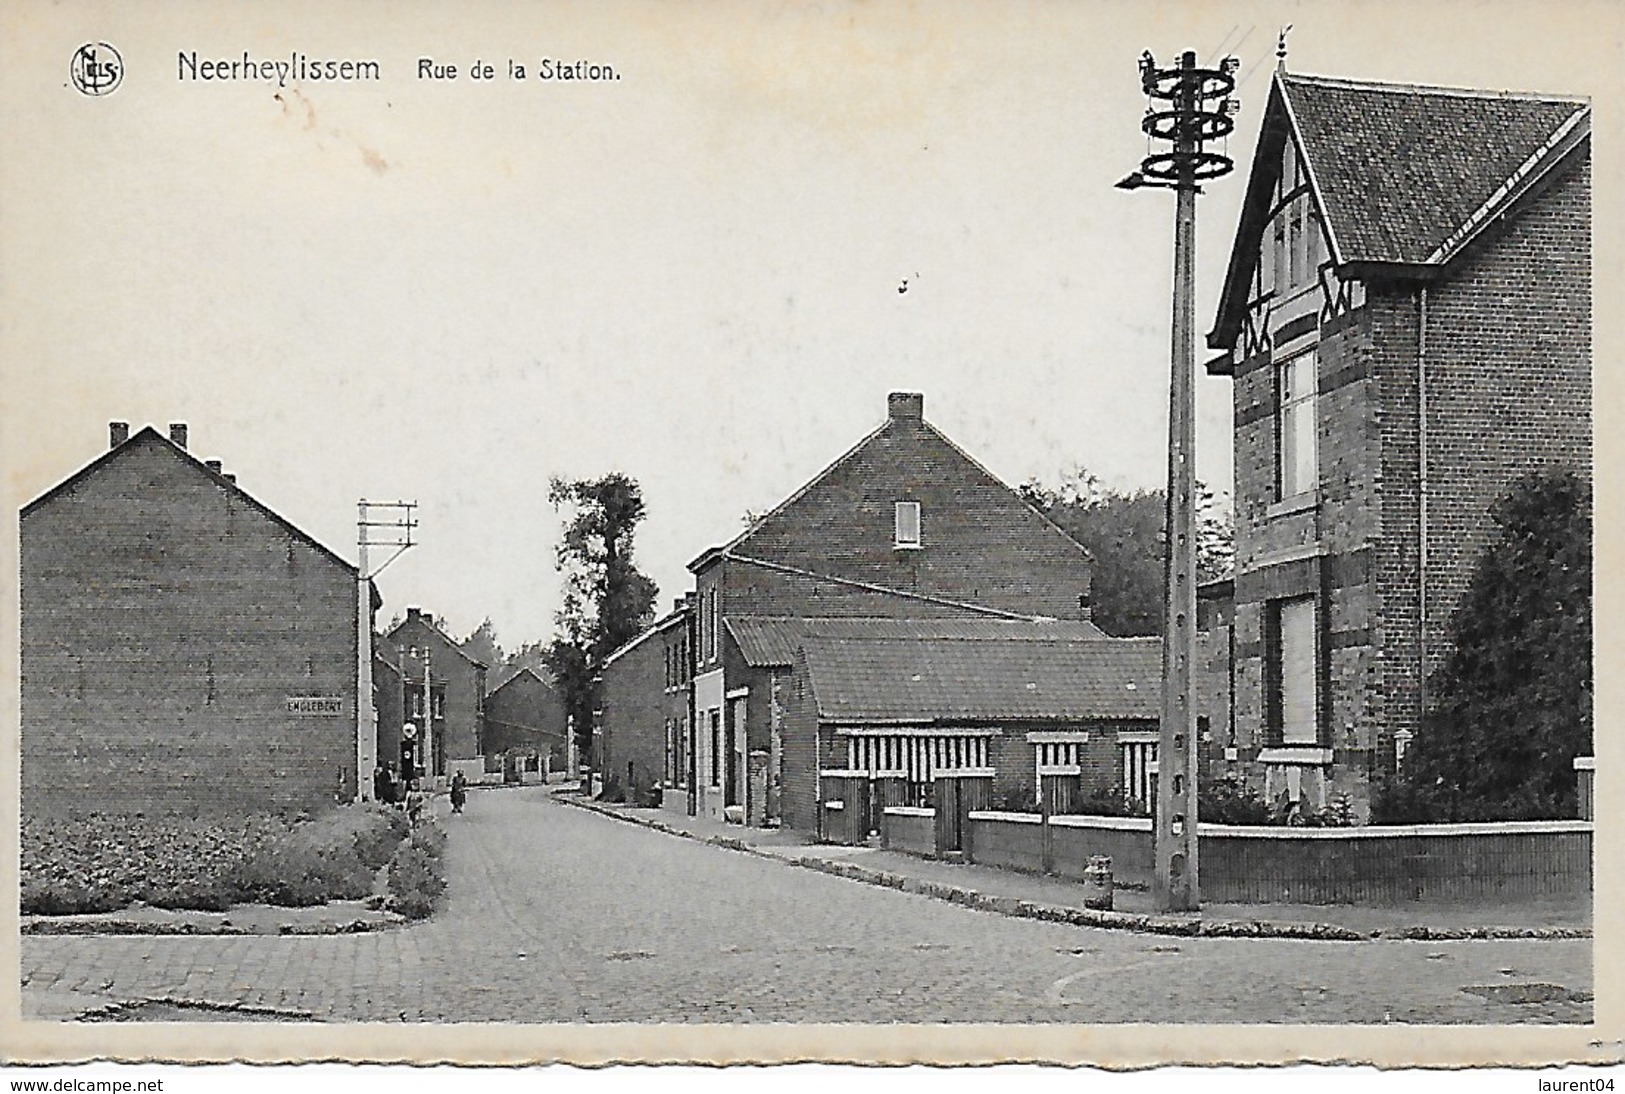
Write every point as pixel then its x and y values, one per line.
pixel 907 519
pixel 1139 754
pixel 1294 677
pixel 1297 450
pixel 916 758
pixel 716 624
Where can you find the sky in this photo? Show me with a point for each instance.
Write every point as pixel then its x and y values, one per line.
pixel 452 290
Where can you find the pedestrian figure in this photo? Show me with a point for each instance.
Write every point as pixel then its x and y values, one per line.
pixel 383 786
pixel 459 792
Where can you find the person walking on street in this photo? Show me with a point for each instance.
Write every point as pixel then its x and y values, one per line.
pixel 459 792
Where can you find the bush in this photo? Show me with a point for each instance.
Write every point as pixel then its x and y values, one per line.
pixel 1231 801
pixel 416 872
pixel 332 858
pixel 66 896
pixel 1109 802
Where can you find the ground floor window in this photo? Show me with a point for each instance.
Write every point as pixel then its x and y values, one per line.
pixel 917 759
pixel 1292 672
pixel 1139 758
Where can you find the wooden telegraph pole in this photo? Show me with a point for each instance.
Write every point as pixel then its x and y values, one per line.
pixel 1187 107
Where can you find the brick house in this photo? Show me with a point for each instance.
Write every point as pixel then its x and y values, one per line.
pixel 185 649
pixel 905 700
pixel 1406 323
pixel 642 743
pixel 525 716
pixel 905 525
pixel 455 730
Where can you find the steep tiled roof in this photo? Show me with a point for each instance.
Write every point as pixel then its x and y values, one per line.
pixel 1404 176
pixel 769 641
pixel 860 680
pixel 1399 168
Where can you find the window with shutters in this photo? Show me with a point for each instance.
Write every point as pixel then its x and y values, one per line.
pixel 908 524
pixel 1139 756
pixel 1297 455
pixel 1293 673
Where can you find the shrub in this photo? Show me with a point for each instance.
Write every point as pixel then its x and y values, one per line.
pixel 334 857
pixel 1108 802
pixel 1231 801
pixel 66 896
pixel 416 872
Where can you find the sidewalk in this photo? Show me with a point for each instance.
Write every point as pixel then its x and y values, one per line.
pixel 1039 897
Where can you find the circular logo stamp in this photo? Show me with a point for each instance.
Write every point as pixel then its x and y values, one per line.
pixel 97 69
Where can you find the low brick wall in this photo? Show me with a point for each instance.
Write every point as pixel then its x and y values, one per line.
pixel 911 829
pixel 1126 839
pixel 1262 865
pixel 1390 864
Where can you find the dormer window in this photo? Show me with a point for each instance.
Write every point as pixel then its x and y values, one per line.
pixel 908 524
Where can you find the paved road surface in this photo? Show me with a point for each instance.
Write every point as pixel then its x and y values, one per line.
pixel 557 914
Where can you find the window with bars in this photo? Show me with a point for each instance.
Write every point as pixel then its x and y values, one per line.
pixel 1138 756
pixel 916 759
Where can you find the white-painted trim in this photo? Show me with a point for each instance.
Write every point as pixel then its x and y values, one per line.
pixel 1139 737
pixel 1059 769
pixel 913 731
pixel 1058 737
pixel 1120 824
pixel 997 815
pixel 737 693
pixel 964 773
pixel 1305 757
pixel 1397 831
pixel 835 806
pixel 1585 763
pixel 908 811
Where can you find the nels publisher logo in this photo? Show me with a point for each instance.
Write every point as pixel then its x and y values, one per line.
pixel 97 69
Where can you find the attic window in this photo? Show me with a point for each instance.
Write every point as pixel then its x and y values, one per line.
pixel 908 524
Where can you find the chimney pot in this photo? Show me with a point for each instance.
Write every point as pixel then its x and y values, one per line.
pixel 905 406
pixel 213 465
pixel 177 434
pixel 117 433
pixel 229 477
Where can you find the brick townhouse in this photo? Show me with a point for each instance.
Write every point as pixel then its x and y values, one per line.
pixel 1406 324
pixel 643 740
pixel 185 649
pixel 450 729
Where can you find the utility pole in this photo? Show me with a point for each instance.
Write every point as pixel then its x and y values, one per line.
pixel 400 521
pixel 1187 107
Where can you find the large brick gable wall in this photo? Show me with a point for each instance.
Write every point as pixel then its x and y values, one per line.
pixel 166 621
pixel 980 543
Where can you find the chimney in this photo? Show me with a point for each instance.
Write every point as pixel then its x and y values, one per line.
pixel 213 465
pixel 413 615
pixel 117 433
pixel 229 477
pixel 905 406
pixel 177 434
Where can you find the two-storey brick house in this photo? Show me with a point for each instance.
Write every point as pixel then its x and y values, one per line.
pixel 448 717
pixel 905 525
pixel 524 716
pixel 185 649
pixel 1406 323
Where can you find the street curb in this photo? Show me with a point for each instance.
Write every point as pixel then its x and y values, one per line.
pixel 1085 917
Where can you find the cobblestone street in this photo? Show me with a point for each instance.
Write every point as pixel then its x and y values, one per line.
pixel 558 914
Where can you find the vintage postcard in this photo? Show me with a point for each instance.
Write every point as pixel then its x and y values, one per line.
pixel 845 532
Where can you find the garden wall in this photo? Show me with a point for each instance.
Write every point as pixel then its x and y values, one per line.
pixel 908 828
pixel 1261 865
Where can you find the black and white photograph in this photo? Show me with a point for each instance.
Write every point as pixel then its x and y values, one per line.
pixel 838 532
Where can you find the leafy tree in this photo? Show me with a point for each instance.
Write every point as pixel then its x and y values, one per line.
pixel 482 646
pixel 1123 531
pixel 608 601
pixel 1512 704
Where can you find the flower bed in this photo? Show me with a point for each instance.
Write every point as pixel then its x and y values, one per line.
pixel 102 863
